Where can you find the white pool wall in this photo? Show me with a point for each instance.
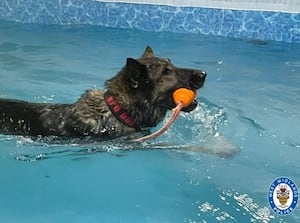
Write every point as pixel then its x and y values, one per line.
pixel 256 5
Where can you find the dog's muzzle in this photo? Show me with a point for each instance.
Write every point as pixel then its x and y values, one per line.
pixel 197 79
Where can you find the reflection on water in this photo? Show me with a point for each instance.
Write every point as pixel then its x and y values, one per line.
pixel 242 204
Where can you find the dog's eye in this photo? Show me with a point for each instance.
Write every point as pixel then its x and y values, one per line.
pixel 167 71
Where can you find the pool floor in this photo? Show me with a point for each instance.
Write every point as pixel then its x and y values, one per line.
pixel 250 102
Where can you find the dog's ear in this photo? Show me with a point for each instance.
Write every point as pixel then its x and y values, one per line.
pixel 134 71
pixel 148 52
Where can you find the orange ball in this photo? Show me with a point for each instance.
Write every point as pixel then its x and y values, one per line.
pixel 184 96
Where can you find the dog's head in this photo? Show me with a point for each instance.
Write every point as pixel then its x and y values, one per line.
pixel 158 78
pixel 145 86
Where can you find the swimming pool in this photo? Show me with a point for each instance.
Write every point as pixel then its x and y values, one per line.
pixel 251 99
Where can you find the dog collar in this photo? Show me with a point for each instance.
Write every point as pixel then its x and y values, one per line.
pixel 121 114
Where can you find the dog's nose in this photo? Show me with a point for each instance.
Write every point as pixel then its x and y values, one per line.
pixel 201 73
pixel 197 78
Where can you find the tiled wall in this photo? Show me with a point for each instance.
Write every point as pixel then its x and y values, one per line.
pixel 251 24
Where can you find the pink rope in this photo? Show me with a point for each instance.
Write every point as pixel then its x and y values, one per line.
pixel 174 116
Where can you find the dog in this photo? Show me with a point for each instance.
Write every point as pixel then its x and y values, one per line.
pixel 136 98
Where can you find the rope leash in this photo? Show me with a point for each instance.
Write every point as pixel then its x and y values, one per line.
pixel 165 127
pixel 183 97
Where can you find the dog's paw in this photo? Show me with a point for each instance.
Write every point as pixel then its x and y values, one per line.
pixel 217 145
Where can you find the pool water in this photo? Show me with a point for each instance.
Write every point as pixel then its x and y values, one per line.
pixel 249 110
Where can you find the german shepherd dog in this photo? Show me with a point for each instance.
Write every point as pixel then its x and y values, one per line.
pixel 138 97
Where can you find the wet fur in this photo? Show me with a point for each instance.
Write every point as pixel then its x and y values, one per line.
pixel 143 88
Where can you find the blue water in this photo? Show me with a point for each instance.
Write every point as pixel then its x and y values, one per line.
pixel 250 103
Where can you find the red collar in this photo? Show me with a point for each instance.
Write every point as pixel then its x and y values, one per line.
pixel 121 114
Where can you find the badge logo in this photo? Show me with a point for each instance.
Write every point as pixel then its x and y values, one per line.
pixel 283 196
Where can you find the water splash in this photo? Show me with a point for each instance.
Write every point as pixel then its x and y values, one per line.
pixel 204 123
pixel 207 118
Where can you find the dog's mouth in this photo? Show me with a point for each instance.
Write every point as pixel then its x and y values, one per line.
pixel 196 81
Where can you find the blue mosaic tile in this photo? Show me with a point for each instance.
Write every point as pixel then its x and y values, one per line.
pixel 222 22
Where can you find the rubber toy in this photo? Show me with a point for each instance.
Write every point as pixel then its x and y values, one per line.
pixel 184 96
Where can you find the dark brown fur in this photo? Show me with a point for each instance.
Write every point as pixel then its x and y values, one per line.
pixel 143 88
